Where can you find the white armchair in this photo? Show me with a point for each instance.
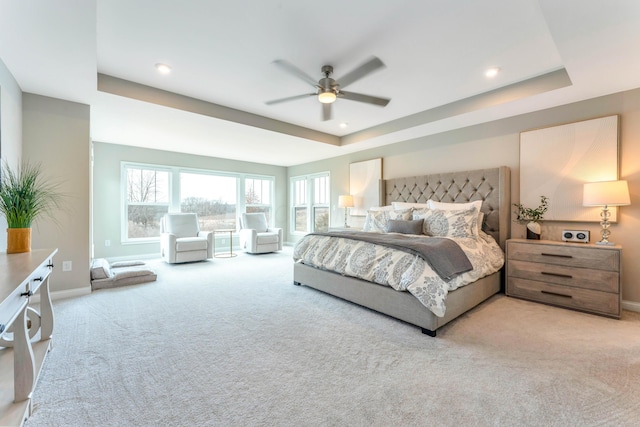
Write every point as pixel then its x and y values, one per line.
pixel 181 239
pixel 255 235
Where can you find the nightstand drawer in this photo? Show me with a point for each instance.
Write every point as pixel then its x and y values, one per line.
pixel 586 278
pixel 566 255
pixel 580 299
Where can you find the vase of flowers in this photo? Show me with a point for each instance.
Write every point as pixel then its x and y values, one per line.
pixel 25 197
pixel 531 217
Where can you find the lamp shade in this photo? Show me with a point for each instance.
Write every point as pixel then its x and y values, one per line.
pixel 327 96
pixel 345 201
pixel 606 193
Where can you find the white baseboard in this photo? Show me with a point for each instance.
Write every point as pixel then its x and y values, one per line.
pixel 631 306
pixel 59 295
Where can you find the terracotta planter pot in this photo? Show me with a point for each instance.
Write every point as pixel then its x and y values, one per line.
pixel 18 240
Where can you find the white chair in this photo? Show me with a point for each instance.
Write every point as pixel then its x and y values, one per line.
pixel 255 235
pixel 181 239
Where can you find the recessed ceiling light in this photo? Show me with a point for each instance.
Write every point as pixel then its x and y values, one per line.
pixel 163 68
pixel 492 72
pixel 343 125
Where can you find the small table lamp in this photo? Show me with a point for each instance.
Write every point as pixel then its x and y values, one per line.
pixel 605 194
pixel 345 202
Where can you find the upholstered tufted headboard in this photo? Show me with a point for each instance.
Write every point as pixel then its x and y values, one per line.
pixel 492 186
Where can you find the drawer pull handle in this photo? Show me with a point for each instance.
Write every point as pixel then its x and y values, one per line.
pixel 556 294
pixel 38 279
pixel 567 276
pixel 28 293
pixel 50 265
pixel 556 255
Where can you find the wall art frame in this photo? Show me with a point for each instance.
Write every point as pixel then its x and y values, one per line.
pixel 557 161
pixel 364 185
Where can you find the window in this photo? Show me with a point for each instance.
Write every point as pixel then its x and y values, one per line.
pixel 321 203
pixel 147 200
pixel 150 191
pixel 310 203
pixel 257 195
pixel 299 201
pixel 212 197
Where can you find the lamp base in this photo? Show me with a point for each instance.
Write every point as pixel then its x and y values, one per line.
pixel 605 243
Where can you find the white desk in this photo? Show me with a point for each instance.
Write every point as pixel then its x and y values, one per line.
pixel 22 275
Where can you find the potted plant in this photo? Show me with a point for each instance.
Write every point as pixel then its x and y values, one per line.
pixel 531 217
pixel 25 197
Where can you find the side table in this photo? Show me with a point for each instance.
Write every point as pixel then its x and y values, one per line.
pixel 229 254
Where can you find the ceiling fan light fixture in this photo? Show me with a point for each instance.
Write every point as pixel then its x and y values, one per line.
pixel 327 97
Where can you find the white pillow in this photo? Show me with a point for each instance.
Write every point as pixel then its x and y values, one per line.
pixel 381 208
pixel 449 223
pixel 407 205
pixel 376 221
pixel 458 206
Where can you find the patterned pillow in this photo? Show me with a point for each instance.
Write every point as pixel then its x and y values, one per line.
pixel 376 221
pixel 459 206
pixel 449 223
pixel 407 205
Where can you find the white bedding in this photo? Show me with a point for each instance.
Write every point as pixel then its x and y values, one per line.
pixel 400 270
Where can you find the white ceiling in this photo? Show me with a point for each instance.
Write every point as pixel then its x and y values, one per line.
pixel 222 52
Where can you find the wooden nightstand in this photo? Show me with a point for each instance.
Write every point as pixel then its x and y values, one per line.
pixel 579 276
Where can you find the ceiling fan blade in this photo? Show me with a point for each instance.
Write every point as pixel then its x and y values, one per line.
pixel 326 112
pixel 364 69
pixel 364 98
pixel 292 69
pixel 290 98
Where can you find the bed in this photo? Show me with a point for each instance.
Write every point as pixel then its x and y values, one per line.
pixel 490 186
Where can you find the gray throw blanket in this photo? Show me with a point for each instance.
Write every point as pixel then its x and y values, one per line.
pixel 444 256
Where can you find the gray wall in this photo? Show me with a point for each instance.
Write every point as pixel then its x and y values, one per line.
pixel 56 134
pixel 10 130
pixel 496 144
pixel 107 209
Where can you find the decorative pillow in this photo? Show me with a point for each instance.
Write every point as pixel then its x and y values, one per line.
pixel 459 206
pixel 376 221
pixel 405 227
pixel 449 223
pixel 381 208
pixel 100 269
pixel 407 205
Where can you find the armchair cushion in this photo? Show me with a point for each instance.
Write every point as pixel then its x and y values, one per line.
pixel 182 225
pixel 255 221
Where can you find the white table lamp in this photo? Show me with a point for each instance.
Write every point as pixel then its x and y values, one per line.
pixel 605 194
pixel 345 202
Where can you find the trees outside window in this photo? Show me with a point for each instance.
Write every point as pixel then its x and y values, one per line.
pixel 150 191
pixel 212 197
pixel 147 201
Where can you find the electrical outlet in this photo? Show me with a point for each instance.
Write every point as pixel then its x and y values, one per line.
pixel 107 242
pixel 67 266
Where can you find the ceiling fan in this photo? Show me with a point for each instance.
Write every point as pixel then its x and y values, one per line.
pixel 328 89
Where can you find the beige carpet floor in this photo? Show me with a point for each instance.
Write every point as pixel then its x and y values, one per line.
pixel 231 342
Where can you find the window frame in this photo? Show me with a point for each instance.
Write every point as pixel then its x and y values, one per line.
pixel 175 197
pixel 310 200
pixel 124 229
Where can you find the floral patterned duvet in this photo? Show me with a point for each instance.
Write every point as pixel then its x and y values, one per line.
pixel 400 270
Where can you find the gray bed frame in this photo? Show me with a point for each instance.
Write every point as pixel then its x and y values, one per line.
pixel 492 186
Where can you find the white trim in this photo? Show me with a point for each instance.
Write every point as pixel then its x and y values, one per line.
pixel 60 295
pixel 631 306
